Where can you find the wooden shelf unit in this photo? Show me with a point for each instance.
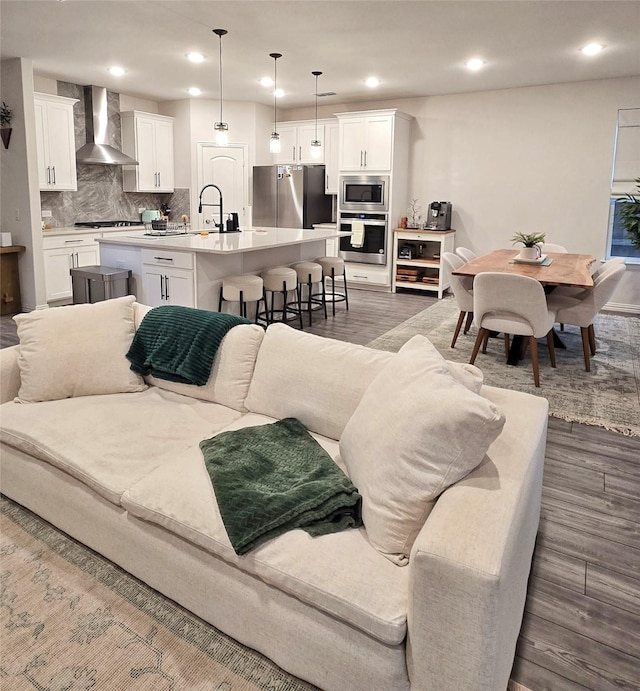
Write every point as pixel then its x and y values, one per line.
pixel 424 270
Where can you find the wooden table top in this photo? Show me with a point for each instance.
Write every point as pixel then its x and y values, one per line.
pixel 564 270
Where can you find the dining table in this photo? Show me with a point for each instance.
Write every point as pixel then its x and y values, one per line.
pixel 553 269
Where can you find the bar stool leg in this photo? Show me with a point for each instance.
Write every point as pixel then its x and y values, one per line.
pixel 324 299
pixel 333 292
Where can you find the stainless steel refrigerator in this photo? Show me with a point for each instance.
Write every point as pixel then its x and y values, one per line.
pixel 290 196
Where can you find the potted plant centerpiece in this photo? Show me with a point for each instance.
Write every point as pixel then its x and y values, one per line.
pixel 6 115
pixel 531 241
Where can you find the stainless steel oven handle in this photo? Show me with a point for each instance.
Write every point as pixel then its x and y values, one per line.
pixel 348 221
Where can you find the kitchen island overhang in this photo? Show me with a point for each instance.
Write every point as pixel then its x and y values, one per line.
pixel 188 269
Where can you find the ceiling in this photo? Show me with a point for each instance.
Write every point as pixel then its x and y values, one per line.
pixel 416 48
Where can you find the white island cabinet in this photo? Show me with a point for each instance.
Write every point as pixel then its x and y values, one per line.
pixel 148 138
pixel 55 142
pixel 188 270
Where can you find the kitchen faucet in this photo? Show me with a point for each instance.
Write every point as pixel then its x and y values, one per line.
pixel 201 204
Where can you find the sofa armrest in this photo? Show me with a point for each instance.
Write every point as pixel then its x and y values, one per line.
pixel 9 374
pixel 470 563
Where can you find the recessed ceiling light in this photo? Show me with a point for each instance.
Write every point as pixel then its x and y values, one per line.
pixel 117 71
pixel 475 64
pixel 278 93
pixel 194 91
pixel 195 57
pixel 592 49
pixel 372 82
pixel 266 82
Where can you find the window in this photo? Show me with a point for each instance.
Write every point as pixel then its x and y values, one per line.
pixel 626 168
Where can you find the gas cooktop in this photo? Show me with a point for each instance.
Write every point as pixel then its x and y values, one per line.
pixel 107 224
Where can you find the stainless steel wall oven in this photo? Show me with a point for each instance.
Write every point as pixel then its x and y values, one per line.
pixel 368 242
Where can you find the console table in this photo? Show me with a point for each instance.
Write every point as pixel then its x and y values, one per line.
pixel 10 301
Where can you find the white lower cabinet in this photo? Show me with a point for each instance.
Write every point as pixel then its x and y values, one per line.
pixel 168 278
pixel 417 259
pixel 61 254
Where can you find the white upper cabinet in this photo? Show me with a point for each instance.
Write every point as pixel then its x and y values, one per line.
pixel 295 143
pixel 331 158
pixel 366 141
pixel 55 142
pixel 148 138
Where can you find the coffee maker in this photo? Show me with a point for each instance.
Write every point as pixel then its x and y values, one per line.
pixel 439 216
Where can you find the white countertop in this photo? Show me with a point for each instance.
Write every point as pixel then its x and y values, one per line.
pixel 67 230
pixel 247 240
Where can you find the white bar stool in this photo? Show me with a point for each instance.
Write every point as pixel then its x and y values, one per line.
pixel 333 267
pixel 242 289
pixel 281 279
pixel 308 274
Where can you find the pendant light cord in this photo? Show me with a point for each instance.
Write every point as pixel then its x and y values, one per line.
pixel 220 33
pixel 275 57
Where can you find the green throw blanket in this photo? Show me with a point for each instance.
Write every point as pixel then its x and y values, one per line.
pixel 274 478
pixel 179 343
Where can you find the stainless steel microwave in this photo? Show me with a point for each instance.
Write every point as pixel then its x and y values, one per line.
pixel 364 193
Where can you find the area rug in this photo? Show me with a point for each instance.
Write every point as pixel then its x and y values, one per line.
pixel 608 396
pixel 70 619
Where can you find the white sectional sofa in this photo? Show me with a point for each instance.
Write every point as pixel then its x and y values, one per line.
pixel 119 469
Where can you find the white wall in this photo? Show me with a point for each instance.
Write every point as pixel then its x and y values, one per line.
pixel 529 159
pixel 20 208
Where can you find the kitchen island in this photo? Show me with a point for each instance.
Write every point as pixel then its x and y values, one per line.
pixel 188 269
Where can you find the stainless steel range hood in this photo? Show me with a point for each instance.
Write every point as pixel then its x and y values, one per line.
pixel 97 150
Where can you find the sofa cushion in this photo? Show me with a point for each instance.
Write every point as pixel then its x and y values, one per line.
pixel 318 380
pixel 77 350
pixel 340 574
pixel 416 432
pixel 110 442
pixel 231 371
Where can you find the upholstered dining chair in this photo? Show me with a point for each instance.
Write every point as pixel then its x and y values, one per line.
pixel 466 253
pixel 462 292
pixel 581 311
pixel 547 247
pixel 604 268
pixel 515 305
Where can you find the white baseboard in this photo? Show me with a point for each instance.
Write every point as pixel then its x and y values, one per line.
pixel 622 307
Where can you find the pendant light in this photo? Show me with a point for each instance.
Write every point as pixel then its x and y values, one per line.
pixel 274 144
pixel 316 144
pixel 221 128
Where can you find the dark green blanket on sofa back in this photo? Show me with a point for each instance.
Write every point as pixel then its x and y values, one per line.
pixel 179 343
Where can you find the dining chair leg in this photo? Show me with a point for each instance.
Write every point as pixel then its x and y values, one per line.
pixel 592 339
pixel 585 348
pixel 485 340
pixel 534 359
pixel 476 345
pixel 467 325
pixel 552 348
pixel 506 345
pixel 457 330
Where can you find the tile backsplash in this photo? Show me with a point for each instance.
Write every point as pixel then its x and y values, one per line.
pixel 100 196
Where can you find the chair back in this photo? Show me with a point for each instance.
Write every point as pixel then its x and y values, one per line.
pixel 465 253
pixel 547 247
pixel 594 298
pixel 510 303
pixel 460 285
pixel 605 267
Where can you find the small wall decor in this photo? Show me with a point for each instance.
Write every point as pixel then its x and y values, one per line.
pixel 6 115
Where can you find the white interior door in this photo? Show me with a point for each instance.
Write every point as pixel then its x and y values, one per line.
pixel 223 166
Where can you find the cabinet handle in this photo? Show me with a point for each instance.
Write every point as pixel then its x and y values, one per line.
pixel 360 276
pixel 161 287
pixel 164 259
pixel 159 183
pixel 365 159
pixel 361 152
pixel 300 153
pixel 48 175
pixel 166 288
pixel 54 174
pixel 66 242
pixel 293 153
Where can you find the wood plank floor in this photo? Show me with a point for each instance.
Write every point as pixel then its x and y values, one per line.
pixel 581 628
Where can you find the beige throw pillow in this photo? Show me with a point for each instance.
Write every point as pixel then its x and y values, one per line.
pixel 77 350
pixel 415 432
